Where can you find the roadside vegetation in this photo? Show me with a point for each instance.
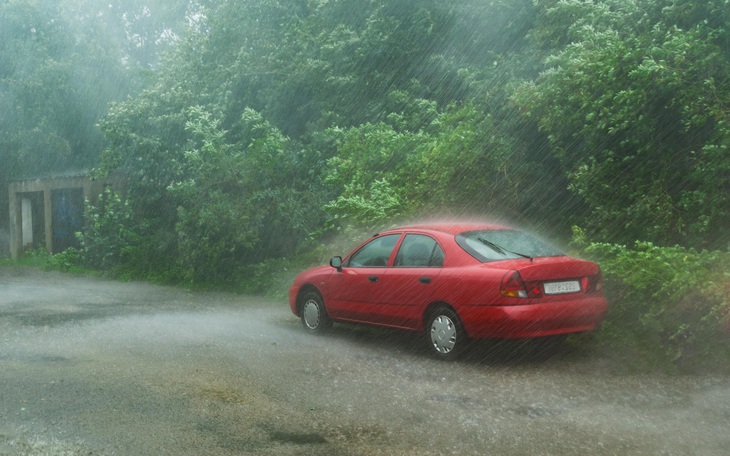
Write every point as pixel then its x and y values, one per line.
pixel 253 136
pixel 669 306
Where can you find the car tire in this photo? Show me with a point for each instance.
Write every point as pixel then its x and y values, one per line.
pixel 445 335
pixel 313 313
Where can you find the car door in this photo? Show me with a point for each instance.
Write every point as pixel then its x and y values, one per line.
pixel 411 283
pixel 354 286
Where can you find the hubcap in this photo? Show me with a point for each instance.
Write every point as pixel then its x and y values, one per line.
pixel 311 314
pixel 443 334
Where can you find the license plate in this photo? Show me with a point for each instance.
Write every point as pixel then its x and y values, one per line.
pixel 571 286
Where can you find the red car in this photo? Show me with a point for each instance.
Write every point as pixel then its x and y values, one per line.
pixel 454 282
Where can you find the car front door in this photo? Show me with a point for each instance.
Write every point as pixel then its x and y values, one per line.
pixel 353 289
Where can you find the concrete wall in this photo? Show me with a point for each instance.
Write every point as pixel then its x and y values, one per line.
pixel 21 211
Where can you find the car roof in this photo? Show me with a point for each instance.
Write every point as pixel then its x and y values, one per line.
pixel 452 227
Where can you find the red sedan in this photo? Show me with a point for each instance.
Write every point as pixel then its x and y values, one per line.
pixel 454 282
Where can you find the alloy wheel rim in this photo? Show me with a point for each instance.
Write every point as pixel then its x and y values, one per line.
pixel 311 314
pixel 443 334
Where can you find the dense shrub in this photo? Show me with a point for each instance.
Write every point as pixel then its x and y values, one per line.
pixel 667 304
pixel 108 240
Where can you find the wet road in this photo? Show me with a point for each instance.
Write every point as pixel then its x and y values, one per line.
pixel 96 367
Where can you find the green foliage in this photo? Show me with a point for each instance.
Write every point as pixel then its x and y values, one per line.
pixel 36 258
pixel 356 85
pixel 274 276
pixel 56 78
pixel 454 165
pixel 61 64
pixel 215 223
pixel 235 199
pixel 634 101
pixel 108 241
pixel 371 207
pixel 70 260
pixel 464 166
pixel 267 123
pixel 369 161
pixel 667 304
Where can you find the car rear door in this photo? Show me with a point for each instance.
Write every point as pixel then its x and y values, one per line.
pixel 411 283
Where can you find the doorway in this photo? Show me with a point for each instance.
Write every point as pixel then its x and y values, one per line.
pixel 67 217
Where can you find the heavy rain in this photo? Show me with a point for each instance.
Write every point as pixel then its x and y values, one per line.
pixel 167 168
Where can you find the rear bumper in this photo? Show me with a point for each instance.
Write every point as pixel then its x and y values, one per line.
pixel 533 320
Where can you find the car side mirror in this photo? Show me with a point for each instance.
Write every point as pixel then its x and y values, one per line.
pixel 336 262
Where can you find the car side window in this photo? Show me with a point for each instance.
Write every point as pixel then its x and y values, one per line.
pixel 419 251
pixel 375 253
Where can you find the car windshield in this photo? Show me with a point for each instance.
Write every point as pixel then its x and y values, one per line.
pixel 494 245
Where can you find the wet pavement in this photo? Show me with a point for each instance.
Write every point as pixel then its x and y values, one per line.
pixel 96 367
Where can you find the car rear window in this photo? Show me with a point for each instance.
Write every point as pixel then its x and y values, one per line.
pixel 495 245
pixel 419 251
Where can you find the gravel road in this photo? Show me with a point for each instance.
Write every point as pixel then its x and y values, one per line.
pixel 95 367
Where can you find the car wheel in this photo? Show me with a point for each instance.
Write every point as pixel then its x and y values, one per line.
pixel 445 335
pixel 313 313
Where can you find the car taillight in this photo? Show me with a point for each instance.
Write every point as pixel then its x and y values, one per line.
pixel 592 283
pixel 533 289
pixel 513 286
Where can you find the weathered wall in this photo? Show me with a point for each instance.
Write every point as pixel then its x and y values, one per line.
pixel 42 190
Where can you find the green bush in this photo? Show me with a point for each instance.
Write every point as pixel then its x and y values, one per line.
pixel 70 260
pixel 108 239
pixel 667 305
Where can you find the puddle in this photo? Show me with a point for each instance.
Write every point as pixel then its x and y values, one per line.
pixel 535 411
pixel 297 438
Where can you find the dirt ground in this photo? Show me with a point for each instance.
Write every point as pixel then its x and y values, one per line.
pixel 96 367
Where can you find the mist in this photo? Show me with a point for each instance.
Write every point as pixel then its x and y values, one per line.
pixel 216 140
pixel 219 148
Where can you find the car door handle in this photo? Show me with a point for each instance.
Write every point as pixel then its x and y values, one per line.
pixel 425 280
pixel 373 278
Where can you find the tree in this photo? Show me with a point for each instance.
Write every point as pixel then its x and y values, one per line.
pixel 458 165
pixel 238 203
pixel 55 82
pixel 636 108
pixel 141 29
pixel 61 64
